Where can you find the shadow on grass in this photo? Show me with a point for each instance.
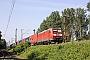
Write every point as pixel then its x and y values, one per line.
pixel 37 56
pixel 60 47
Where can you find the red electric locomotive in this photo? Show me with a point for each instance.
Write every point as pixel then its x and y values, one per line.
pixel 52 35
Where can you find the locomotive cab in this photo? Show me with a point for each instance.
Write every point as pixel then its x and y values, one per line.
pixel 57 35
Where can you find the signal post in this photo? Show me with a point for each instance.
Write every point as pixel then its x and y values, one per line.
pixel 65 16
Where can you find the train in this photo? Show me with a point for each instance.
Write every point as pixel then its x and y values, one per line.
pixel 49 36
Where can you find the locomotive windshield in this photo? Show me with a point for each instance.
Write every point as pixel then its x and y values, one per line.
pixel 56 30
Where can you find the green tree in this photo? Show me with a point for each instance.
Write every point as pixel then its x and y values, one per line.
pixel 53 21
pixel 76 16
pixel 88 6
pixel 70 19
pixel 2 44
pixel 80 18
pixel 43 26
pixel 0 35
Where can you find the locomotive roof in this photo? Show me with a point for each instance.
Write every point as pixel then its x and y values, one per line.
pixel 45 31
pixel 42 31
pixel 48 29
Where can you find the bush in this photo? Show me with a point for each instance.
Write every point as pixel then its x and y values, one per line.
pixel 2 44
pixel 69 51
pixel 21 47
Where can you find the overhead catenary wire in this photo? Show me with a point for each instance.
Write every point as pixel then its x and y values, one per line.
pixel 83 4
pixel 26 31
pixel 12 6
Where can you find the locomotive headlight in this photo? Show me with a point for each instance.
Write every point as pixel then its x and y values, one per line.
pixel 54 34
pixel 60 34
pixel 59 30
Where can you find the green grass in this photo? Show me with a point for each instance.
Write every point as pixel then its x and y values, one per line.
pixel 68 51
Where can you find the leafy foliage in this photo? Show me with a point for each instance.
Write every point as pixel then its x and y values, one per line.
pixel 2 44
pixel 88 6
pixel 21 47
pixel 75 17
pixel 53 21
pixel 69 51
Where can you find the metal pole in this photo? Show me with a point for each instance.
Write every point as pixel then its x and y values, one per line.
pixel 16 36
pixel 64 28
pixel 22 33
pixel 37 35
pixel 65 16
pixel 12 40
pixel 34 31
pixel 9 43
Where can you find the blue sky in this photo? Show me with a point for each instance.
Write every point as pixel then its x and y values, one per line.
pixel 28 14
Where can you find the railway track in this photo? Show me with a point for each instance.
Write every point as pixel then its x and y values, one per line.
pixel 5 54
